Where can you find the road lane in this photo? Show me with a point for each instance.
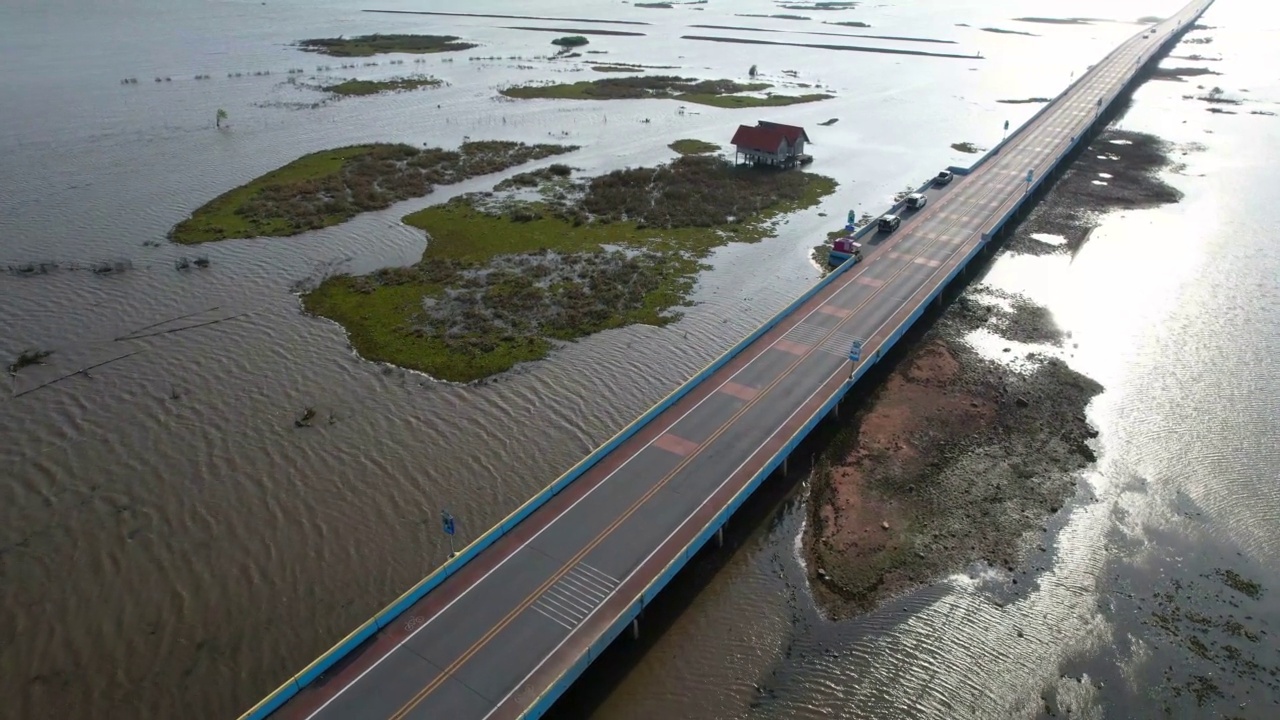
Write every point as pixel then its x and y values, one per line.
pixel 817 341
pixel 491 638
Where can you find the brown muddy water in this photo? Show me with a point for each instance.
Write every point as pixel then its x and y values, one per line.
pixel 172 546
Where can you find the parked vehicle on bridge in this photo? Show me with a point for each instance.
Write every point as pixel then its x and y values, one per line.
pixel 843 249
pixel 888 223
pixel 915 201
pixel 943 178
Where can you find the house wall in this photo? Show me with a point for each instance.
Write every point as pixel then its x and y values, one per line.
pixel 762 156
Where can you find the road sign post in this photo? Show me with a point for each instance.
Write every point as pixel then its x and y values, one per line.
pixel 1006 131
pixel 449 528
pixel 1030 177
pixel 855 353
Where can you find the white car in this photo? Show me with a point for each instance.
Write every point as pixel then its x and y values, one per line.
pixel 915 201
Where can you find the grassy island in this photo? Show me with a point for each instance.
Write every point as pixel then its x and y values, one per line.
pixel 332 186
pixel 374 87
pixel 693 147
pixel 547 257
pixel 570 41
pixel 718 93
pixel 366 45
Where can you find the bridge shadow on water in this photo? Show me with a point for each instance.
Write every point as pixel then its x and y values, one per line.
pixel 767 504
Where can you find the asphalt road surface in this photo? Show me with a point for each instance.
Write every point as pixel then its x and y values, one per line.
pixel 494 637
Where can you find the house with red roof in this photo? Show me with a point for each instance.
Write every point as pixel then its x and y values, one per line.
pixel 769 143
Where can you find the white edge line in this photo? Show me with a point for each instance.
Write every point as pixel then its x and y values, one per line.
pixel 701 505
pixel 553 521
pixel 606 478
pixel 665 540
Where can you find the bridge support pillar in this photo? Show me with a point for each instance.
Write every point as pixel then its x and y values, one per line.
pixel 635 629
pixel 720 536
pixel 784 464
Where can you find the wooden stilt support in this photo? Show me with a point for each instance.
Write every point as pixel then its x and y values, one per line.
pixel 635 628
pixel 784 465
pixel 720 536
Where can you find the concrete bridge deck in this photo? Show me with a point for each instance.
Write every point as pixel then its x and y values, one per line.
pixel 505 633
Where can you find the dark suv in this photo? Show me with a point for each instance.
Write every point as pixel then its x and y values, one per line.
pixel 888 223
pixel 943 178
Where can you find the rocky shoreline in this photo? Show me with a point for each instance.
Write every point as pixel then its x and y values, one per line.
pixel 1117 171
pixel 958 459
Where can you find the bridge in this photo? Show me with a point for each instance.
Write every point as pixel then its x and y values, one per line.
pixel 506 626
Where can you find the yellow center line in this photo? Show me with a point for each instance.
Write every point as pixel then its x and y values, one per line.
pixel 555 577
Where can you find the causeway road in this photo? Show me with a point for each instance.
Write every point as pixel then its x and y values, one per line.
pixel 492 640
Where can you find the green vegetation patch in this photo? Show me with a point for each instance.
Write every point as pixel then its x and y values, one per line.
pixel 781 16
pixel 1239 583
pixel 615 69
pixel 374 87
pixel 570 41
pixel 366 45
pixel 332 186
pixel 718 93
pixel 28 358
pixel 547 258
pixel 846 23
pixel 693 147
pixel 965 147
pixel 1002 31
pixel 1057 21
pixel 821 6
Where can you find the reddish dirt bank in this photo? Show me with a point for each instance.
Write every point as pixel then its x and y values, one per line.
pixel 867 536
pixel 954 460
pixel 957 459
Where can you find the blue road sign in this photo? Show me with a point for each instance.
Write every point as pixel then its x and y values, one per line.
pixel 448 522
pixel 1030 174
pixel 1006 124
pixel 855 352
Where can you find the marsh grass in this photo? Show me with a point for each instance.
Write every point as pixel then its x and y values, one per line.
pixel 373 87
pixel 717 93
pixel 503 276
pixel 693 147
pixel 780 16
pixel 28 358
pixel 367 45
pixel 331 186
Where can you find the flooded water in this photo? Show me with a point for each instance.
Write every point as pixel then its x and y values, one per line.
pixel 172 546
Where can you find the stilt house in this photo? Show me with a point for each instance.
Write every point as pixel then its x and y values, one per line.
pixel 771 144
